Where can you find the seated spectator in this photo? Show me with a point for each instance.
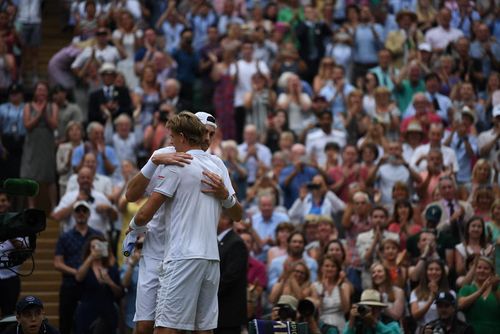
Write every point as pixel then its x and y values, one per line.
pixel 447 316
pixel 432 282
pixel 488 140
pixel 483 176
pixel 370 321
pixel 407 85
pixel 423 115
pixel 256 278
pixel 100 282
pixel 102 211
pixel 86 26
pixel 294 281
pixel 482 199
pixel 265 185
pixel 430 178
pixel 100 183
pixel 356 120
pixel 282 265
pixel 375 135
pixel 324 74
pixel 283 231
pixel 413 137
pixel 296 103
pixel 30 316
pixel 336 90
pixel 107 161
pixel 315 198
pixel 478 300
pixel 332 292
pixel 392 295
pixel 8 68
pixel 426 250
pixel 126 139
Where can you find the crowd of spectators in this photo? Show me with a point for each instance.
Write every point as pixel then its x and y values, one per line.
pixel 362 138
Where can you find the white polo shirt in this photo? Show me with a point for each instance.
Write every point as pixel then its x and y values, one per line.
pixel 194 215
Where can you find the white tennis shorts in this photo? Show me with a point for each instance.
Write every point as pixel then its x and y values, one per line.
pixel 148 285
pixel 187 298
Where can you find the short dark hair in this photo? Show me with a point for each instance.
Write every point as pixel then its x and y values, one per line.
pixel 431 76
pixel 379 208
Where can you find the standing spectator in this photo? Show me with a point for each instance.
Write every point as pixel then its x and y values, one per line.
pixel 463 141
pixel 242 72
pixel 368 40
pixel 407 85
pixel 348 173
pixel 107 160
pixel 332 293
pixel 224 95
pixel 486 49
pixel 403 42
pixel 464 16
pixel 200 18
pixel 8 68
pixel 296 174
pixel 336 90
pixel 110 100
pixel 283 231
pixel 413 137
pixel 68 112
pixel 102 52
pixel 187 60
pixel 488 141
pixel 441 103
pixel 100 283
pixel 444 34
pixel 146 96
pixel 72 138
pixel 316 199
pixel 317 139
pixel 171 23
pixel 30 17
pixel 100 183
pixel 389 170
pixel 129 275
pixel 386 71
pixel 296 103
pixel 40 119
pixel 479 300
pixel 260 101
pixel 127 139
pixel 283 266
pixel 12 132
pixel 433 281
pixel 253 153
pixel 67 260
pixel 311 33
pixel 447 317
pixel 233 278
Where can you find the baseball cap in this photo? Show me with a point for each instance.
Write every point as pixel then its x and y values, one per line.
pixel 425 47
pixel 433 213
pixel 496 111
pixel 445 297
pixel 289 300
pixel 15 88
pixel 81 203
pixel 206 118
pixel 28 301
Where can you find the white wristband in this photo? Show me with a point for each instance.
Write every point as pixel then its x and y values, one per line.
pixel 136 227
pixel 229 202
pixel 149 169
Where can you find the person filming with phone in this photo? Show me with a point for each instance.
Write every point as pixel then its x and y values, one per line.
pixel 364 316
pixel 100 282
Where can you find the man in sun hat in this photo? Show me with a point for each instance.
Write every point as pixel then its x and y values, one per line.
pixel 405 39
pixel 365 316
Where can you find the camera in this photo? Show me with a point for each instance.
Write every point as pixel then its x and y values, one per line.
pixel 363 310
pixel 306 308
pixel 102 247
pixel 285 312
pixel 163 116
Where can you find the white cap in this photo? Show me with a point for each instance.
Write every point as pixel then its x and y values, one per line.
pixel 496 111
pixel 82 203
pixel 206 118
pixel 107 67
pixel 425 47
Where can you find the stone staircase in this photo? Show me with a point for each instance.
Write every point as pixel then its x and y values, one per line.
pixel 45 280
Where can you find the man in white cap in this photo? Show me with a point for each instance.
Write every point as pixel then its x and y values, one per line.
pixel 365 316
pixel 109 100
pixel 489 141
pixel 154 243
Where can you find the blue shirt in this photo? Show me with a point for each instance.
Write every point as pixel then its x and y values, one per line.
pixel 79 152
pixel 200 25
pixel 329 92
pixel 187 65
pixel 276 269
pixel 464 24
pixel 366 45
pixel 70 246
pixel 477 51
pixel 464 172
pixel 11 119
pixel 291 191
pixel 267 228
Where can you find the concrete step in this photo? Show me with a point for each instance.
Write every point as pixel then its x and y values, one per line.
pixel 44 254
pixel 36 285
pixel 41 275
pixel 46 243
